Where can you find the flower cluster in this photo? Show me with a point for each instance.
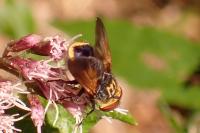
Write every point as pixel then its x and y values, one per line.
pixel 8 100
pixel 51 78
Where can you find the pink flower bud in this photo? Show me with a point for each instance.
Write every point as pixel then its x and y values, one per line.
pixel 51 46
pixel 37 111
pixel 43 48
pixel 24 43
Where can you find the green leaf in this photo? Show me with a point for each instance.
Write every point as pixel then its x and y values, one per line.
pixel 93 118
pixel 65 122
pixel 127 118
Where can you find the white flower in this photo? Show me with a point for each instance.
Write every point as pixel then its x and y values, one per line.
pixel 9 99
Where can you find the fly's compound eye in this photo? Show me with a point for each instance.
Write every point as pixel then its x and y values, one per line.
pixel 84 50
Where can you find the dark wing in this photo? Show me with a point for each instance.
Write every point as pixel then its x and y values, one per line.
pixel 102 50
pixel 87 71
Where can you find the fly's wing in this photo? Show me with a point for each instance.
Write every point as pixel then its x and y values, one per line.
pixel 102 50
pixel 87 71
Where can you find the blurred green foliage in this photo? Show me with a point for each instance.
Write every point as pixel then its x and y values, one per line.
pixel 16 19
pixel 130 45
pixel 150 58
